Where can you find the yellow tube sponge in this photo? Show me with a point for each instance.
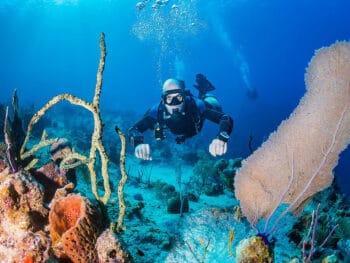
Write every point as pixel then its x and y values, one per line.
pixel 297 160
pixel 97 146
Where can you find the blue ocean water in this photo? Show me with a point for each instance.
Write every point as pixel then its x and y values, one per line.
pixel 49 47
pixel 254 52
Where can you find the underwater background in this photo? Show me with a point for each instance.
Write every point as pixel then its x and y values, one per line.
pixel 254 52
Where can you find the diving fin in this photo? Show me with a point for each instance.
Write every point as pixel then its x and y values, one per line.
pixel 203 85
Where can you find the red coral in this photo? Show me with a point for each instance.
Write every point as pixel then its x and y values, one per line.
pixel 74 226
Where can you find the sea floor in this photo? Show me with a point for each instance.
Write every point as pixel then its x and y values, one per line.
pixel 213 226
pixel 200 235
pixel 210 226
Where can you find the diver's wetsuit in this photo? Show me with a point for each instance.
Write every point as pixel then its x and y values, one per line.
pixel 184 125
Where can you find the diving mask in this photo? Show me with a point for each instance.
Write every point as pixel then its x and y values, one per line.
pixel 174 97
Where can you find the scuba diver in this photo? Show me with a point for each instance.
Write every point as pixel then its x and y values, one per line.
pixel 183 115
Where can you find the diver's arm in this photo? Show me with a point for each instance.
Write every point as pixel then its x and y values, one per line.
pixel 218 145
pixel 225 123
pixel 135 132
pixel 142 149
pixel 135 137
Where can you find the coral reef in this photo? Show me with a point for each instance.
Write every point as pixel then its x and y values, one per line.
pixel 21 200
pixel 34 227
pixel 227 171
pixel 23 217
pixel 333 213
pixel 43 220
pixel 213 177
pixel 205 177
pixel 68 231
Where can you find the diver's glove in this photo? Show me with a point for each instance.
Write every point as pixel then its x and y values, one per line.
pixel 143 151
pixel 203 85
pixel 218 146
